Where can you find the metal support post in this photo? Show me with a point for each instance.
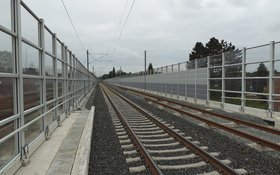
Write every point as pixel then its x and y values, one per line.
pixel 208 80
pixel 223 81
pixel 145 57
pixel 178 80
pixel 195 82
pixel 243 83
pixel 87 60
pixel 22 144
pixel 42 44
pixel 186 81
pixel 166 80
pixel 271 74
pixel 171 91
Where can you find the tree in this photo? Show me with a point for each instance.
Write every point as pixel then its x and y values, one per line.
pixel 262 71
pixel 150 69
pixel 6 61
pixel 199 51
pixel 212 47
pixel 112 73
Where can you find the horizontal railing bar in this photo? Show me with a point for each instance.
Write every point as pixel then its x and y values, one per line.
pixel 29 123
pixel 7 31
pixel 254 47
pixel 8 120
pixel 8 75
pixel 32 109
pixel 30 11
pixel 26 41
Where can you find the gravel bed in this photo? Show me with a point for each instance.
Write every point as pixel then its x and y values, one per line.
pixel 241 155
pixel 106 156
pixel 241 116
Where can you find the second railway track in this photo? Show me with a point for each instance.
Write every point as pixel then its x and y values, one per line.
pixel 154 146
pixel 261 134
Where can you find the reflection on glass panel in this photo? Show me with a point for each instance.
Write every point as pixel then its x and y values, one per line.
pixel 59 68
pixel 49 68
pixel 49 118
pixel 202 62
pixel 215 72
pixel 257 70
pixel 215 84
pixel 233 71
pixel 6 98
pixel 29 26
pixel 6 56
pixel 216 60
pixel 69 86
pixel 233 98
pixel 276 85
pixel 30 60
pixel 276 103
pixel 8 149
pixel 277 68
pixel 190 64
pixel 233 85
pixel 277 51
pixel 69 71
pixel 69 58
pixel 257 85
pixel 33 131
pixel 5 13
pixel 234 57
pixel 6 129
pixel 257 54
pixel 58 50
pixel 215 96
pixel 257 101
pixel 31 89
pixel 60 86
pixel 48 42
pixel 50 89
pixel 60 107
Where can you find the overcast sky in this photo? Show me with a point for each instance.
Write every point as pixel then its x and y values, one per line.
pixel 167 29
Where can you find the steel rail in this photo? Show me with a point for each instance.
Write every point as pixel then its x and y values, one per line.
pixel 255 139
pixel 142 150
pixel 217 164
pixel 238 121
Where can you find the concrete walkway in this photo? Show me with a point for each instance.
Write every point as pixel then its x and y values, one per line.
pixel 67 151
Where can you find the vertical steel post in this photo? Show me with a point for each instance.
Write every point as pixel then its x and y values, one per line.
pixel 195 82
pixel 171 78
pixel 42 45
pixel 87 60
pixel 55 73
pixel 243 88
pixel 186 82
pixel 271 74
pixel 178 81
pixel 18 56
pixel 15 80
pixel 145 70
pixel 208 80
pixel 223 81
pixel 161 80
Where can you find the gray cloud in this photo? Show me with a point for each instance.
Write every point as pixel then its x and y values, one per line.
pixel 167 29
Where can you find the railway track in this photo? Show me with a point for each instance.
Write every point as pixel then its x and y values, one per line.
pixel 214 119
pixel 153 146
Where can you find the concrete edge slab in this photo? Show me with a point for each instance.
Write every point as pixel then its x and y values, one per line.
pixel 80 166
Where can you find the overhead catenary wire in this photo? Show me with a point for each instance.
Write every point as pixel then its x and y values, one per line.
pixel 120 22
pixel 73 26
pixel 123 27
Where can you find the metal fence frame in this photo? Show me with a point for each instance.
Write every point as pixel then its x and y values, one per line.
pixel 273 98
pixel 68 88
